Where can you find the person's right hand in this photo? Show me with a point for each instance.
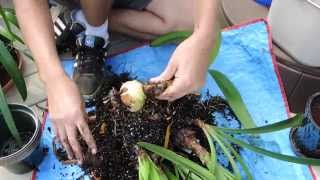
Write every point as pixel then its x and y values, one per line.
pixel 68 116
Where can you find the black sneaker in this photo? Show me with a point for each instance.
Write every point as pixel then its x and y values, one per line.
pixel 89 65
pixel 66 31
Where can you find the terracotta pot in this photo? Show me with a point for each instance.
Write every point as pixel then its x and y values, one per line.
pixel 19 61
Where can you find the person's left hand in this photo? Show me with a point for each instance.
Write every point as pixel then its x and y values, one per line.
pixel 187 67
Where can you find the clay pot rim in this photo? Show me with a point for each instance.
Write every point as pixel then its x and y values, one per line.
pixel 19 59
pixel 308 110
pixel 33 141
pixel 296 149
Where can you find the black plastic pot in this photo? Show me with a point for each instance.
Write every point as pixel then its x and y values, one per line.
pixel 16 159
pixel 305 139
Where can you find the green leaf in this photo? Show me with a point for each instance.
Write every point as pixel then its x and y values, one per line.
pixel 144 167
pixel 187 174
pixel 8 27
pixel 293 122
pixel 238 157
pixel 169 174
pixel 170 38
pixel 223 174
pixel 10 15
pixel 5 20
pixel 293 159
pixel 234 98
pixel 7 116
pixel 216 47
pixel 156 173
pixel 6 36
pixel 226 152
pixel 11 67
pixel 212 161
pixel 178 160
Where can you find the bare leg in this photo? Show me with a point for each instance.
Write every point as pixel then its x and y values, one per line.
pixel 96 11
pixel 160 17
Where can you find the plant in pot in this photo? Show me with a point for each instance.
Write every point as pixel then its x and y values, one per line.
pixel 19 127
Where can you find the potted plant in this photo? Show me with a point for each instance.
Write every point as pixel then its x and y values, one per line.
pixel 19 127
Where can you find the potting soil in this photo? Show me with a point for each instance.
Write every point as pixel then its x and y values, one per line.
pixel 245 57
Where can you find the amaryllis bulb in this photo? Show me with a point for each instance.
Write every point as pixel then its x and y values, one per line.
pixel 132 95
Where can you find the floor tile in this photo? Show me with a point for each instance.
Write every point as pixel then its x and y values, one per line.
pixel 6 175
pixel 35 90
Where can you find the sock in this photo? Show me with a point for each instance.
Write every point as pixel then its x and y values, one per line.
pixel 99 31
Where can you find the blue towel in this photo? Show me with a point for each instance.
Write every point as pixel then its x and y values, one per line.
pixel 246 59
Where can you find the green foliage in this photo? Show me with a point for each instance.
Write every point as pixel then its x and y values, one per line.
pixel 10 66
pixel 178 160
pixel 148 170
pixel 9 18
pixel 293 122
pixel 293 159
pixel 234 98
pixel 7 39
pixel 7 116
pixel 179 36
pixel 172 37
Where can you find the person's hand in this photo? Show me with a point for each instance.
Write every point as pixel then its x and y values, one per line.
pixel 187 67
pixel 68 116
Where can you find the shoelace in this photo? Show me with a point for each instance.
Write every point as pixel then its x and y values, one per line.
pixel 89 59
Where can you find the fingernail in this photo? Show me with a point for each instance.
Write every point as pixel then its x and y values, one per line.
pixel 80 162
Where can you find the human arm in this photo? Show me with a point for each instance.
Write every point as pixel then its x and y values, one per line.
pixel 189 63
pixel 65 104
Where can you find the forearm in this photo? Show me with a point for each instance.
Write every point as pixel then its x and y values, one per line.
pixel 37 30
pixel 206 20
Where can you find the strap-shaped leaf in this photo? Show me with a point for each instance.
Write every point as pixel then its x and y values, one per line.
pixel 238 157
pixel 234 98
pixel 5 34
pixel 293 122
pixel 10 15
pixel 235 168
pixel 171 37
pixel 8 27
pixel 169 173
pixel 7 116
pixel 11 67
pixel 178 160
pixel 212 163
pixel 293 159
